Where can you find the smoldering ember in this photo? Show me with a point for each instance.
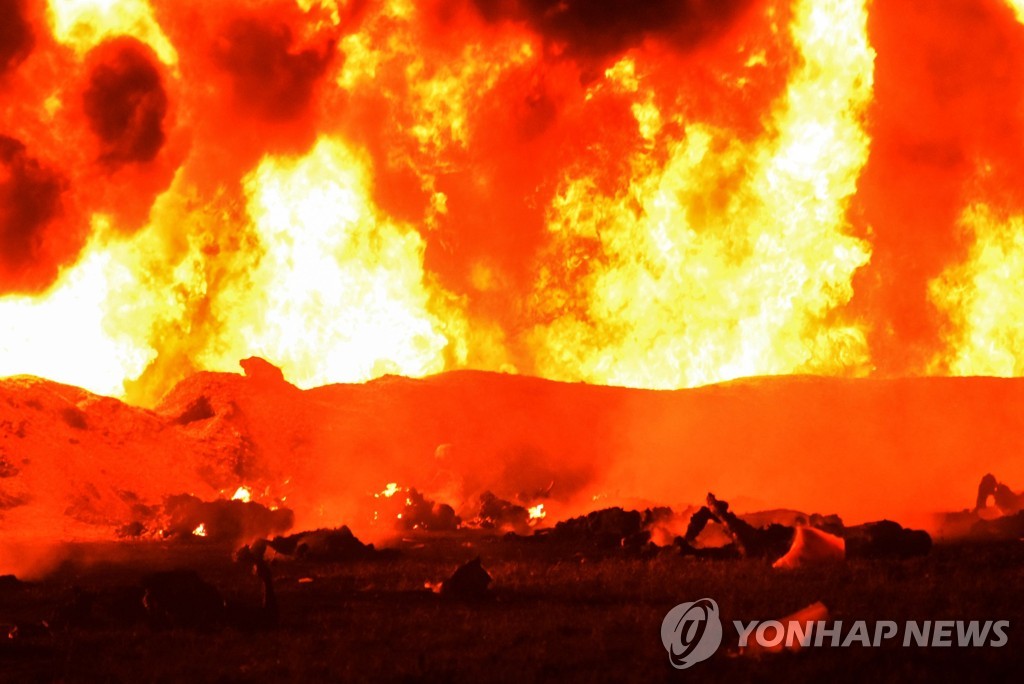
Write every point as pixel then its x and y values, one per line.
pixel 462 340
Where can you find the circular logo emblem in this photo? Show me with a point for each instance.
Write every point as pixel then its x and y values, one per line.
pixel 691 632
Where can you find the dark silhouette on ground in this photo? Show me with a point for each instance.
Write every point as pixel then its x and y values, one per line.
pixel 747 541
pixel 881 539
pixel 468 582
pixel 1004 499
pixel 325 545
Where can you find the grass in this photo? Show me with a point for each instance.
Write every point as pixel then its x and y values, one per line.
pixel 555 616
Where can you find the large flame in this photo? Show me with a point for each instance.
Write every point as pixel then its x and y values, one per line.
pixel 696 193
pixel 983 299
pixel 727 258
pixel 337 292
pixel 84 24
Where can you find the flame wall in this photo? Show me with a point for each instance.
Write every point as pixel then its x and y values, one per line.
pixel 662 195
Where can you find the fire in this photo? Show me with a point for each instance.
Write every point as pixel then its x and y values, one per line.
pixel 338 291
pixel 982 298
pixel 537 513
pixel 84 24
pixel 389 491
pixel 200 531
pixel 352 190
pixel 78 308
pixel 243 493
pixel 679 289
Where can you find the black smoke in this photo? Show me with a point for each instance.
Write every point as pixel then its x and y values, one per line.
pixel 16 39
pixel 600 28
pixel 30 199
pixel 269 80
pixel 126 103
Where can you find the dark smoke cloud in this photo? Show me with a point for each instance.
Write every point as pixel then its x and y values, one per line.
pixel 126 103
pixel 30 198
pixel 598 28
pixel 16 39
pixel 269 80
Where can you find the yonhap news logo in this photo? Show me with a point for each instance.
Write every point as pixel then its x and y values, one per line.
pixel 691 632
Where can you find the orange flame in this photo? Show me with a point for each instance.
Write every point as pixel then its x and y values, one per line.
pixel 357 189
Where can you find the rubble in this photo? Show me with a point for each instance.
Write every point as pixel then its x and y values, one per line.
pixel 421 513
pixel 605 530
pixel 222 520
pixel 499 514
pixel 802 544
pixel 324 545
pixel 886 539
pixel 773 540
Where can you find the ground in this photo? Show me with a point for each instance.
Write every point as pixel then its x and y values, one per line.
pixel 554 615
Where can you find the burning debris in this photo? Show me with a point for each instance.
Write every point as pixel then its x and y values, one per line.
pixel 421 513
pixel 606 530
pixel 499 514
pixel 236 520
pixel 411 510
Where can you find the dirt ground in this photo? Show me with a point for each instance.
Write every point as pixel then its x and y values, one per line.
pixel 554 615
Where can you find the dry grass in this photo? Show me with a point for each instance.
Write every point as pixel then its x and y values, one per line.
pixel 554 616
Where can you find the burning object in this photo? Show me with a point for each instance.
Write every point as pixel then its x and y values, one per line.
pixel 497 513
pixel 222 521
pixel 606 530
pixel 411 510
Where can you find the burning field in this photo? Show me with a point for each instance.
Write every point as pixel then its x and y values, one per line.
pixel 612 306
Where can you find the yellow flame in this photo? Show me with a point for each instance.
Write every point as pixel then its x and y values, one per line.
pixel 389 490
pixel 243 493
pixel 442 91
pixel 537 512
pixel 1018 9
pixel 645 111
pixel 84 24
pixel 339 292
pixel 983 299
pixel 91 329
pixel 727 260
pixel 200 531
